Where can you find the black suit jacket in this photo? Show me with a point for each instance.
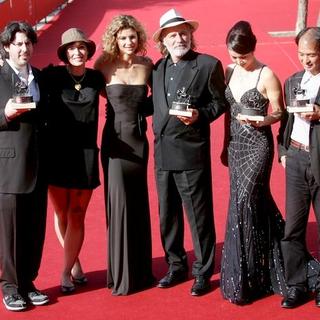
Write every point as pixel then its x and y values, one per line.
pixel 19 141
pixel 178 146
pixel 287 126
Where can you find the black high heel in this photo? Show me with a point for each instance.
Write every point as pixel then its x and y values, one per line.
pixel 80 281
pixel 67 289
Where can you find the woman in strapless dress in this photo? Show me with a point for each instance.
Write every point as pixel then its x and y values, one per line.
pixel 124 152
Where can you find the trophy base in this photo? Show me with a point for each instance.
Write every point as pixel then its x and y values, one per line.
pixel 249 117
pixel 183 113
pixel 24 105
pixel 307 108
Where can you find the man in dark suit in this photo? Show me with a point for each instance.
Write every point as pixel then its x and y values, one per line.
pixel 23 191
pixel 299 151
pixel 182 148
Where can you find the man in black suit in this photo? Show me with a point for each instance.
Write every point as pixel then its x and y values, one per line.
pixel 23 191
pixel 299 151
pixel 182 148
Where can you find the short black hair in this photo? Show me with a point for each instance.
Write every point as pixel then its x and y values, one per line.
pixel 240 38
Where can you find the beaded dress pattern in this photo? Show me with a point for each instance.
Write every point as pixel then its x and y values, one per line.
pixel 251 259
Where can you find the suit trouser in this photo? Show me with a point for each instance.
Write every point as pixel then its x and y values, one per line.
pixel 301 191
pixel 192 190
pixel 22 233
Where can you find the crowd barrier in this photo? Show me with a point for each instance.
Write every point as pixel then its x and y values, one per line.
pixel 31 11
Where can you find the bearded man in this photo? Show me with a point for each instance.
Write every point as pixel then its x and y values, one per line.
pixel 182 148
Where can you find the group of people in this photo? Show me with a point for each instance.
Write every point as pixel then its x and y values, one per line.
pixel 53 148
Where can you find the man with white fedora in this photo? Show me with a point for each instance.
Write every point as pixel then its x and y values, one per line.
pixel 182 148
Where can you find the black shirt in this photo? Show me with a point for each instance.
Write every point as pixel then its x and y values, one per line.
pixel 173 73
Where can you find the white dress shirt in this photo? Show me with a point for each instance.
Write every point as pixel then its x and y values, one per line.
pixel 301 128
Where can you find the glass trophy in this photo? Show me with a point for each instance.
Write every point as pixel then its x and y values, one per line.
pixel 181 106
pixel 22 99
pixel 251 113
pixel 299 102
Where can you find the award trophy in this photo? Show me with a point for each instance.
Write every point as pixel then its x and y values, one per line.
pixel 181 107
pixel 251 114
pixel 21 98
pixel 299 103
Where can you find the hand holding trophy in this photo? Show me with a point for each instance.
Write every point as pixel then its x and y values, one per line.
pixel 22 99
pixel 252 115
pixel 300 103
pixel 182 105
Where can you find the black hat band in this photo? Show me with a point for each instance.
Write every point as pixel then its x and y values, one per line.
pixel 172 20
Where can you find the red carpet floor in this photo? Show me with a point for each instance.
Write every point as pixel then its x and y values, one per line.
pixel 95 301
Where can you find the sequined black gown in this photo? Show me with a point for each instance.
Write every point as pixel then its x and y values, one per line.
pixel 125 157
pixel 251 259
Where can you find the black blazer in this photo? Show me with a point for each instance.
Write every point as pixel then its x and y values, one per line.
pixel 181 147
pixel 287 126
pixel 19 143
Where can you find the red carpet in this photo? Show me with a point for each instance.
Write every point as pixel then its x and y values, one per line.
pixel 94 301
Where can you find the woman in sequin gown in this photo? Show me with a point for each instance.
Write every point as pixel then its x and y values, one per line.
pixel 125 156
pixel 251 259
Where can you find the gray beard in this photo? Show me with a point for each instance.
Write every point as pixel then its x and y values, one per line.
pixel 179 52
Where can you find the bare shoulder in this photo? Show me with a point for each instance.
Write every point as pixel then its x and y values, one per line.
pixel 267 74
pixel 146 61
pixel 107 68
pixel 102 62
pixel 270 83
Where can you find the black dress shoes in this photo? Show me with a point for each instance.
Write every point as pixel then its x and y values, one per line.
pixel 317 298
pixel 172 278
pixel 295 297
pixel 201 285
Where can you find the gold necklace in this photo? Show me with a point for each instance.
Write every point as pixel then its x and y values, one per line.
pixel 77 83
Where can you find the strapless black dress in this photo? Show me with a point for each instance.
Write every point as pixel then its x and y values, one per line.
pixel 125 158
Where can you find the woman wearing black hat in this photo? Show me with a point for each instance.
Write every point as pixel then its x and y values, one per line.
pixel 73 99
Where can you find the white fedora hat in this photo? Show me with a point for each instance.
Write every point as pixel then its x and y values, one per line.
pixel 170 19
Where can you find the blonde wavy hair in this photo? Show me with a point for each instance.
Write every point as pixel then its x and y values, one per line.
pixel 109 38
